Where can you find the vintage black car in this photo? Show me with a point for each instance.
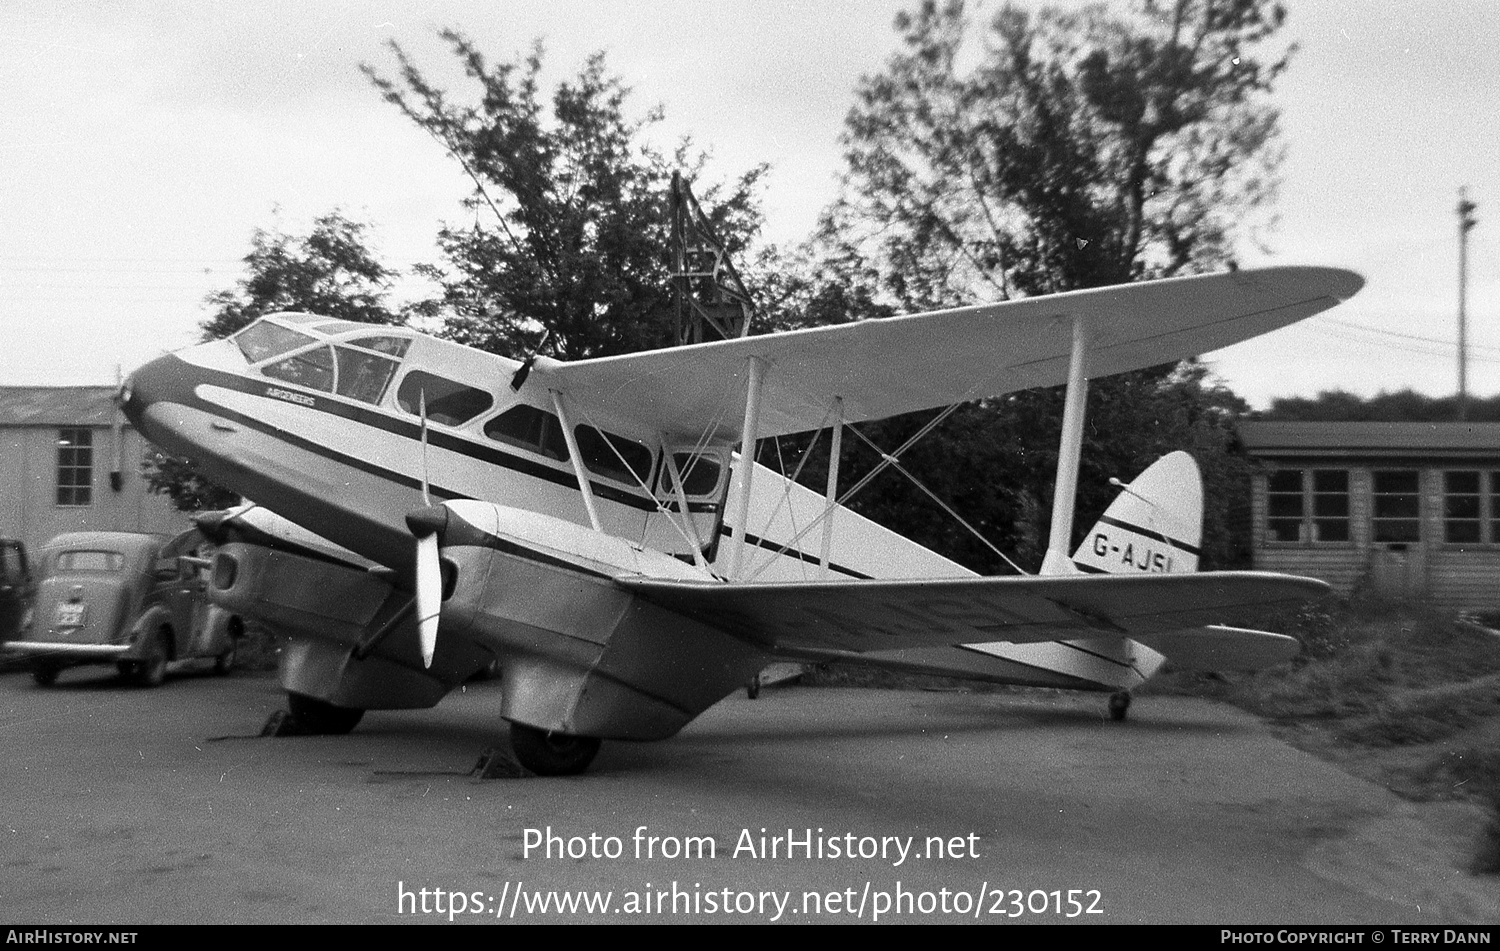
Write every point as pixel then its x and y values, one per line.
pixel 17 588
pixel 132 600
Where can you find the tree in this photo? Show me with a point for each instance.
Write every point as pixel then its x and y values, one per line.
pixel 1060 150
pixel 1081 149
pixel 576 237
pixel 1402 406
pixel 329 271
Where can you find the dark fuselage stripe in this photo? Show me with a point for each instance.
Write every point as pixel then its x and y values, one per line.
pixel 1184 546
pixel 413 431
pixel 768 545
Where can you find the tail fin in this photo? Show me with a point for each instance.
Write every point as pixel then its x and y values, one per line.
pixel 1155 525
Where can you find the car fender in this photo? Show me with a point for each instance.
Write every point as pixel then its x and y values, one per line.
pixel 145 627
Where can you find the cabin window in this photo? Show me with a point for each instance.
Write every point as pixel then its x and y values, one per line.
pixel 75 467
pixel 363 376
pixel 529 428
pixel 448 401
pixel 1308 505
pixel 614 456
pixel 1397 507
pixel 263 340
pixel 700 474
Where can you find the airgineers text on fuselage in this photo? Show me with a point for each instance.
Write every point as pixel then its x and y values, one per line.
pixel 301 399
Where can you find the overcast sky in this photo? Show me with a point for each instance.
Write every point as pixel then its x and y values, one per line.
pixel 144 142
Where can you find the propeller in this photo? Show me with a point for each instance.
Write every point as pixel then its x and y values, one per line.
pixel 426 524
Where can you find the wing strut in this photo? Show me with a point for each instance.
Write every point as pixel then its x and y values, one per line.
pixel 746 468
pixel 831 494
pixel 688 528
pixel 1070 443
pixel 579 471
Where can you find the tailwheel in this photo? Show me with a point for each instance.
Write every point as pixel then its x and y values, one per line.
pixel 320 717
pixel 1119 705
pixel 552 754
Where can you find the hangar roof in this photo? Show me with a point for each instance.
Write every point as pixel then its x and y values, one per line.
pixel 57 406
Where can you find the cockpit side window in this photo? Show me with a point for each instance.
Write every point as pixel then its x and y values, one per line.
pixel 311 368
pixel 363 376
pixel 529 428
pixel 448 401
pixel 263 340
pixel 603 454
pixel 700 474
pixel 394 346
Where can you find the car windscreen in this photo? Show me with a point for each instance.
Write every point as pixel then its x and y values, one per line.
pixel 90 560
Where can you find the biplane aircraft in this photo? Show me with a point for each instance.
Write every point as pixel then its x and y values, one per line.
pixel 599 527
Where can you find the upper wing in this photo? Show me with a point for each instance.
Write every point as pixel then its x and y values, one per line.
pixel 882 368
pixel 883 615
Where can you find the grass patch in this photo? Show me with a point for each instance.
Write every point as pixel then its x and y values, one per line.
pixel 1400 687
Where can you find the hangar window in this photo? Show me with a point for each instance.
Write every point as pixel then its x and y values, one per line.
pixel 1308 505
pixel 1471 507
pixel 448 401
pixel 614 456
pixel 529 428
pixel 75 467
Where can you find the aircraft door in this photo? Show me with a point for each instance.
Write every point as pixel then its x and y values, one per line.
pixel 702 473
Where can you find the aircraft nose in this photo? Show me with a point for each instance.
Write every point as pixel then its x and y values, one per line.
pixel 160 380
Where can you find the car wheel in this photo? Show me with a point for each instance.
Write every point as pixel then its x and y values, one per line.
pixel 45 675
pixel 321 717
pixel 224 663
pixel 552 754
pixel 151 669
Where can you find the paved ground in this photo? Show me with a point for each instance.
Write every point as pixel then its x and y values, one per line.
pixel 127 806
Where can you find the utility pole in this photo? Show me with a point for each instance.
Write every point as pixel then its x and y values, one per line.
pixel 1466 220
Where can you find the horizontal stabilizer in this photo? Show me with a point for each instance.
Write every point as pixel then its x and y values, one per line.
pixel 1217 648
pixel 870 615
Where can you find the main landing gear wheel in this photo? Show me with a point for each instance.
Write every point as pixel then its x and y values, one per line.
pixel 552 754
pixel 1119 705
pixel 44 674
pixel 321 718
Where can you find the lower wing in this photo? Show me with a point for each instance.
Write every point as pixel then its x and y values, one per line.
pixel 877 615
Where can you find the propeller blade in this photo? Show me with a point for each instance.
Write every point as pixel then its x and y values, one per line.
pixel 429 595
pixel 427 526
pixel 422 411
